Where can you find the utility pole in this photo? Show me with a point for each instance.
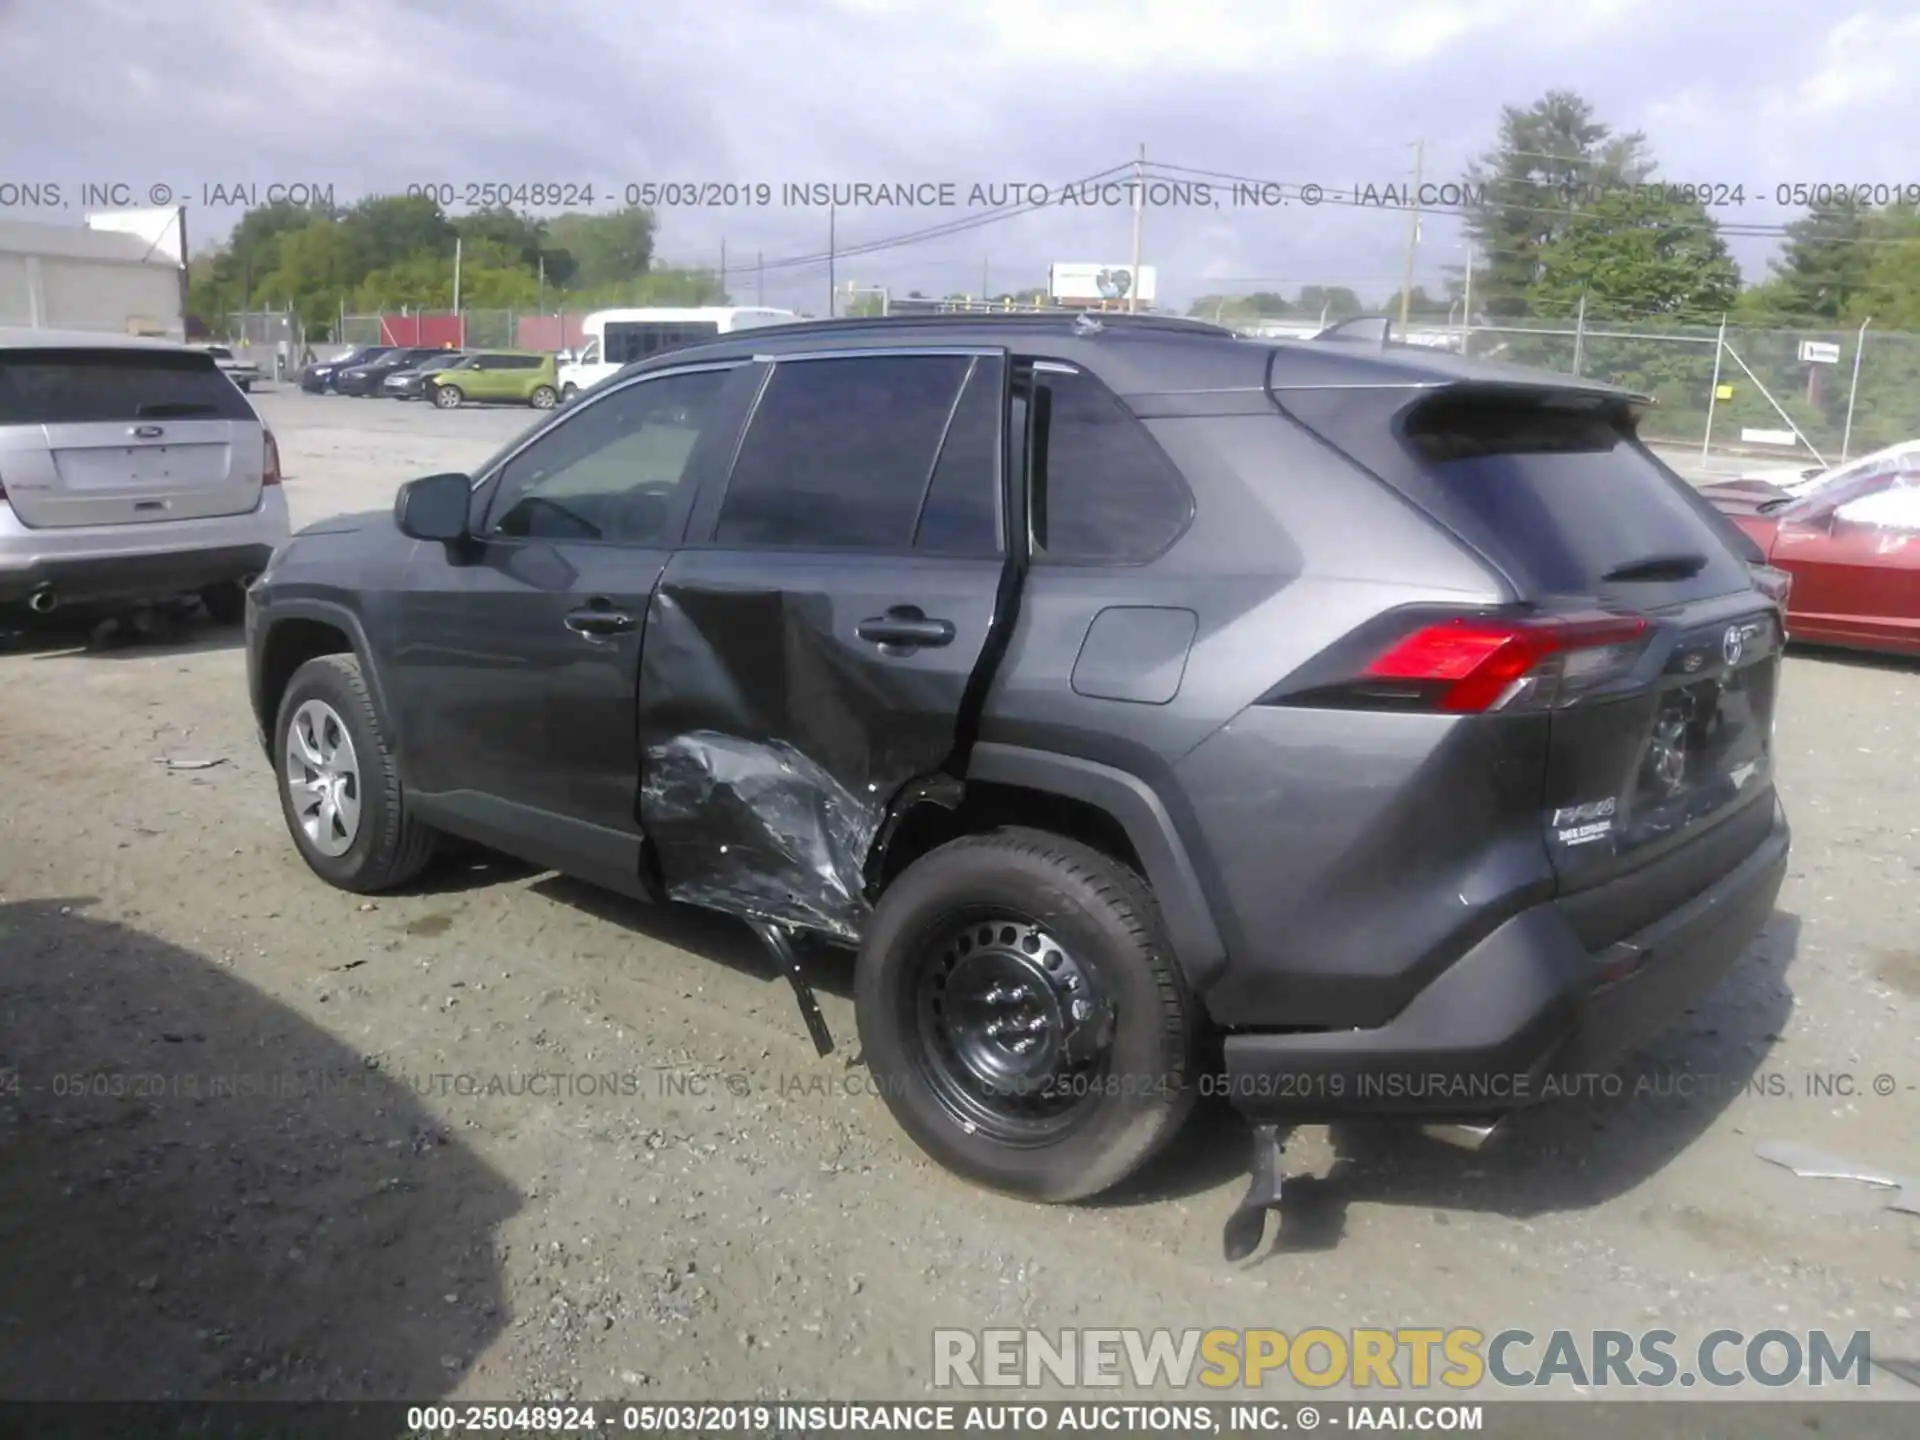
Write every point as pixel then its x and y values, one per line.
pixel 833 289
pixel 540 295
pixel 1139 219
pixel 723 268
pixel 1413 237
pixel 1466 305
pixel 456 274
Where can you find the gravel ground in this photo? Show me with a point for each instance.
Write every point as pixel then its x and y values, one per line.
pixel 261 1138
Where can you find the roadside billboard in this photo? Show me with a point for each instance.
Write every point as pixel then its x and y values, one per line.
pixel 1082 283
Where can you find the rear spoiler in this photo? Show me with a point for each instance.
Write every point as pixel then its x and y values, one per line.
pixel 1361 329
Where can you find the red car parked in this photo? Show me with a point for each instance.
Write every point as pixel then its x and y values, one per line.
pixel 1852 546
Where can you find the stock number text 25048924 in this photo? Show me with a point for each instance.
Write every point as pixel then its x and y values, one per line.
pixel 483 194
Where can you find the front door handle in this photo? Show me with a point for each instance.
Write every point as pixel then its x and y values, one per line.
pixel 905 625
pixel 594 621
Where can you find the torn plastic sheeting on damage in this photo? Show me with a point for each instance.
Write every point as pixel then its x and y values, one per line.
pixel 758 829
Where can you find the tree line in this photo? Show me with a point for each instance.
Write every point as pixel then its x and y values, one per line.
pixel 1565 210
pixel 390 251
pixel 1567 218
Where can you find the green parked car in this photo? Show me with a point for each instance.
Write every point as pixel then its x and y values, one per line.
pixel 515 377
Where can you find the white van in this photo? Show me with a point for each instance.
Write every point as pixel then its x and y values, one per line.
pixel 616 338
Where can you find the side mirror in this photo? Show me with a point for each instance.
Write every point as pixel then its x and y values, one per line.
pixel 434 507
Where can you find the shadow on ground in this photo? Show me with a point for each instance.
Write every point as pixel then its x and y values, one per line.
pixel 705 933
pixel 116 633
pixel 203 1196
pixel 1615 1131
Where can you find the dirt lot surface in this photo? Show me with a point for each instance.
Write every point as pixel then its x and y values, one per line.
pixel 504 1136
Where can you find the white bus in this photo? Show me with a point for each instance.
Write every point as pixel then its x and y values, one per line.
pixel 617 338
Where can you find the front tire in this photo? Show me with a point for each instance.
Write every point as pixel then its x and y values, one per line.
pixel 339 786
pixel 447 397
pixel 1021 1010
pixel 569 393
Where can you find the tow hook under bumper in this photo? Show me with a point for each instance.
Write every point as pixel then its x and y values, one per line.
pixel 1266 1175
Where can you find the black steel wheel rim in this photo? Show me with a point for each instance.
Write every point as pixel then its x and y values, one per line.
pixel 1008 1029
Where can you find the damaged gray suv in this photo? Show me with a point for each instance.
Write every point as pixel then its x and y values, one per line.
pixel 1342 727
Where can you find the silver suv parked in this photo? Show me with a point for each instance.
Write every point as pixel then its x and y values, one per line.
pixel 130 470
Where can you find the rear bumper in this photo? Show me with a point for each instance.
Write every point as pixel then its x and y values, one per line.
pixel 88 564
pixel 1527 1013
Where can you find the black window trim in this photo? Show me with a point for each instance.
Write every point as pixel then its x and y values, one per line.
pixel 483 503
pixel 770 363
pixel 1038 554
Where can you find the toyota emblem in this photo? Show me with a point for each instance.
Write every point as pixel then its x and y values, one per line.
pixel 1732 644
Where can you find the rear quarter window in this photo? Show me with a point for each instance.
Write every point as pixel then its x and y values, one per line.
pixel 1111 495
pixel 112 384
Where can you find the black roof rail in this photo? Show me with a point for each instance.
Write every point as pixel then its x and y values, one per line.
pixel 989 319
pixel 1377 329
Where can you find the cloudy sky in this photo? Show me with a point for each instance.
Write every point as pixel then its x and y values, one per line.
pixel 363 96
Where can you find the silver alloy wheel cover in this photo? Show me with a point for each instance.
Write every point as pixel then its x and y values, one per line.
pixel 323 778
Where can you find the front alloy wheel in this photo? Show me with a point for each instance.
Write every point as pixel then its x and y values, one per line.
pixel 339 786
pixel 323 778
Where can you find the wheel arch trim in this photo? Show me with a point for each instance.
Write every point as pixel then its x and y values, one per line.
pixel 326 612
pixel 1198 948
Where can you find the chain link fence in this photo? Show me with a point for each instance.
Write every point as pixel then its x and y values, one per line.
pixel 1736 389
pixel 274 340
pixel 1731 391
pixel 467 329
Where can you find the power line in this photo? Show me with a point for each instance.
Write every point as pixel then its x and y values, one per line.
pixel 946 228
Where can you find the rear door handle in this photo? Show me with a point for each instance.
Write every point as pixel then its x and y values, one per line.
pixel 905 625
pixel 592 621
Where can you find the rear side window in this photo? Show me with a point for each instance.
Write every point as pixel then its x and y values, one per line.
pixel 839 452
pixel 1111 493
pixel 1568 492
pixel 629 341
pixel 113 384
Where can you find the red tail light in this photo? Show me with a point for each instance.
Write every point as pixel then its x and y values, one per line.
pixel 270 472
pixel 1467 666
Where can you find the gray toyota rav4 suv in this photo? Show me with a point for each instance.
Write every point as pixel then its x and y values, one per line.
pixel 1344 727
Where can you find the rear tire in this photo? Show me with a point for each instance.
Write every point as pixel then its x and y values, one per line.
pixel 963 917
pixel 447 397
pixel 327 727
pixel 542 398
pixel 226 602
